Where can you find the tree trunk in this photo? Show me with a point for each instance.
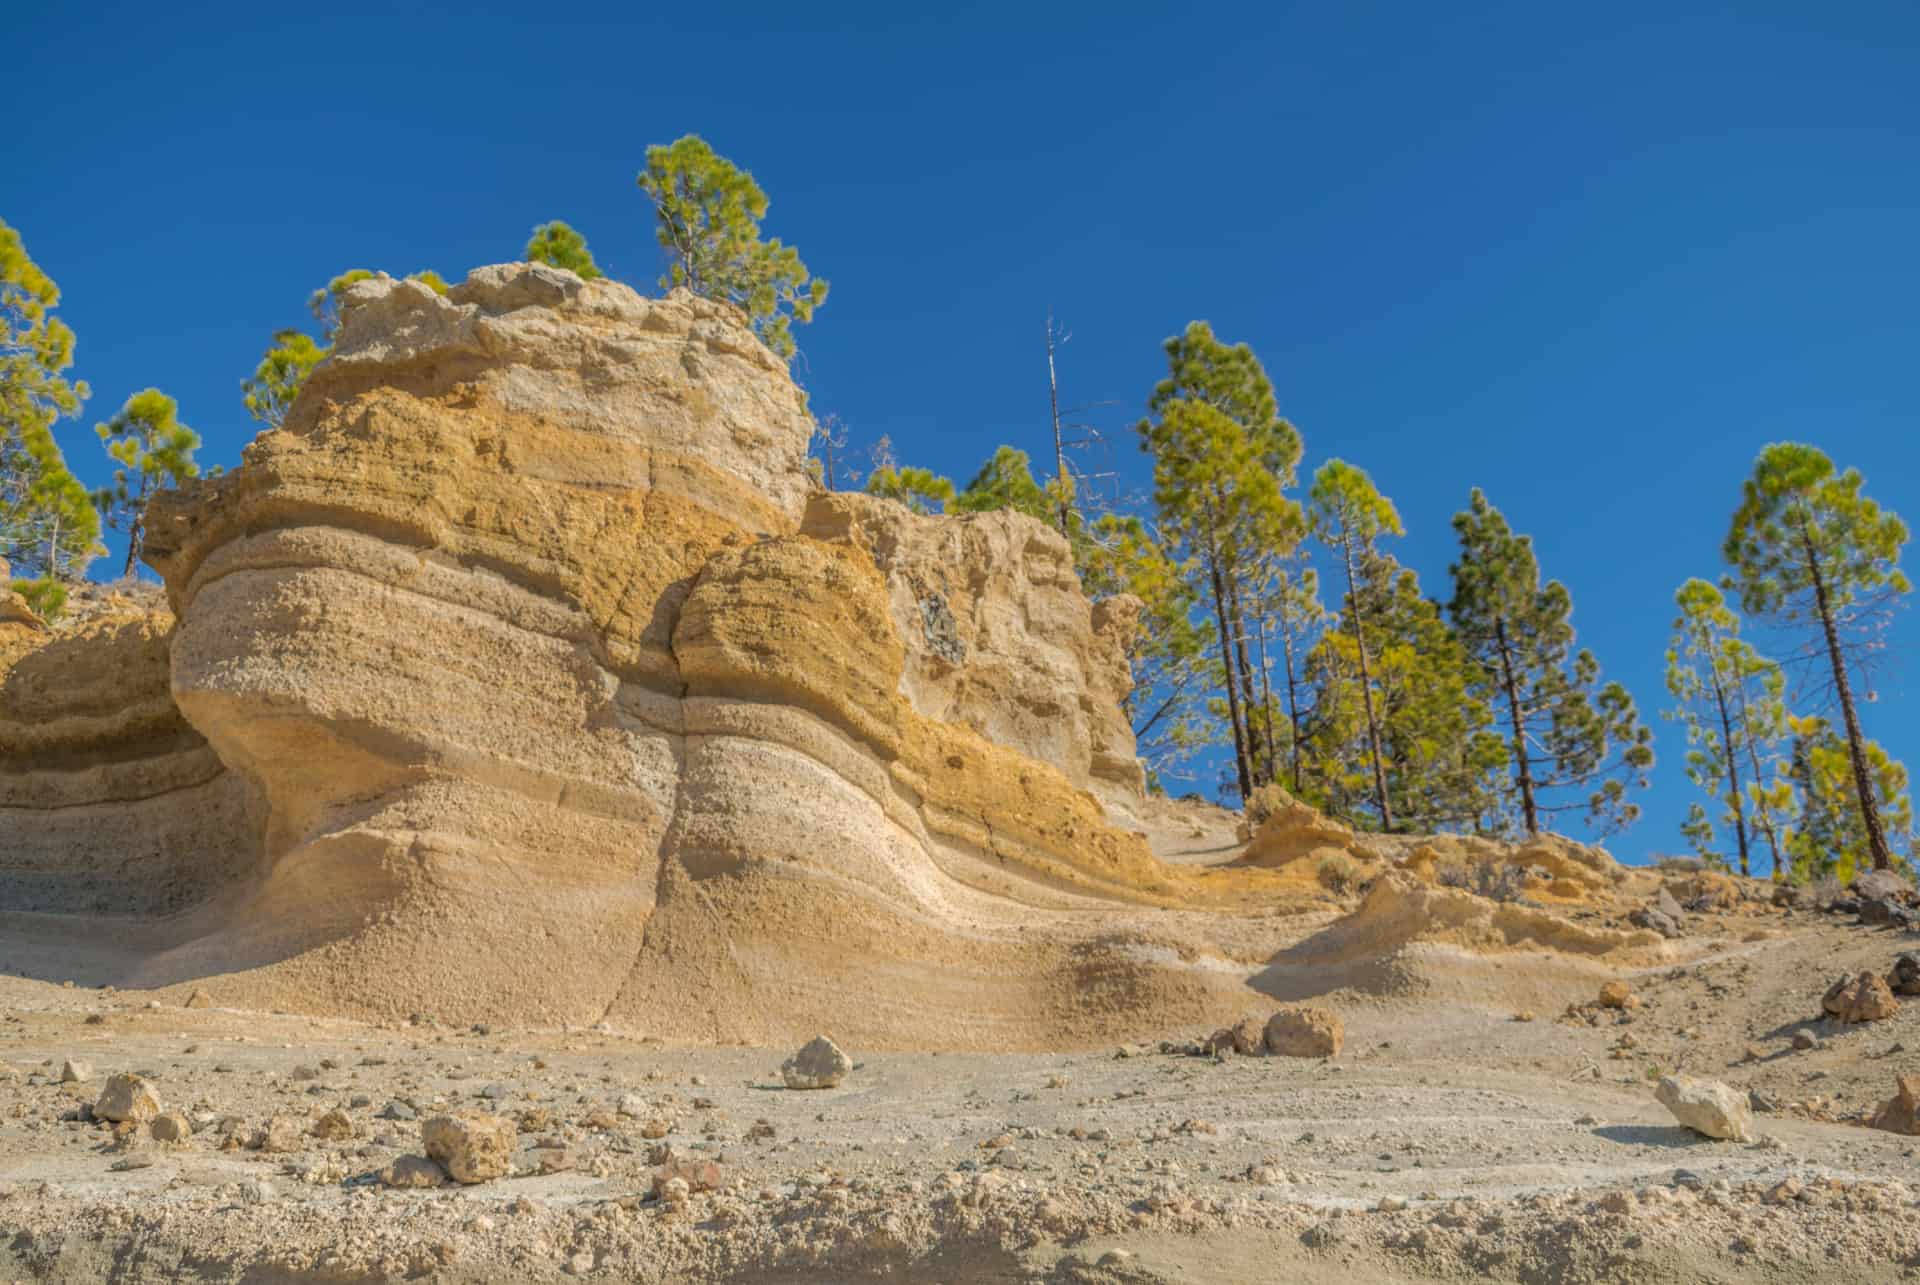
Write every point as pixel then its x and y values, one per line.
pixel 1226 659
pixel 1059 446
pixel 1763 814
pixel 1522 763
pixel 1733 770
pixel 1255 751
pixel 1293 705
pixel 1856 741
pixel 1366 691
pixel 1266 701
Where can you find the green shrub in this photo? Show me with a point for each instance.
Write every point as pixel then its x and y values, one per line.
pixel 47 596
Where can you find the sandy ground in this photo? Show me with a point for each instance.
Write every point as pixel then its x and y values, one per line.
pixel 1521 1150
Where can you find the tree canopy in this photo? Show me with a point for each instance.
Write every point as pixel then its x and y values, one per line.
pixel 708 213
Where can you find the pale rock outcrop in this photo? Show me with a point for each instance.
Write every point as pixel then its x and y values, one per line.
pixel 524 675
pixel 1707 1107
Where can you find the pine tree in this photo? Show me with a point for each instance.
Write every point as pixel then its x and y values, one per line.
pixel 48 530
pixel 558 245
pixel 1437 756
pixel 1565 731
pixel 709 213
pixel 1006 482
pixel 1351 516
pixel 1290 611
pixel 1732 704
pixel 1221 458
pixel 269 395
pixel 154 450
pixel 1169 653
pixel 921 490
pixel 1830 836
pixel 1810 552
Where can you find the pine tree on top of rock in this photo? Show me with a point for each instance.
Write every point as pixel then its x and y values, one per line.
pixel 709 211
pixel 558 245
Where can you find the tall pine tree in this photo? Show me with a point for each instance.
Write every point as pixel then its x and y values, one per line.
pixel 1732 704
pixel 1222 456
pixel 1565 730
pixel 1812 553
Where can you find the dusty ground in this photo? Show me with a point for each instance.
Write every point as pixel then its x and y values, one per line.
pixel 1523 1150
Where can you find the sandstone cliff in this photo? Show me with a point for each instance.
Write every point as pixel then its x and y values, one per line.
pixel 523 675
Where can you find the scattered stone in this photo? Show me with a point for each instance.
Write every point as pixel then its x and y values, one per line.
pixel 1707 1107
pixel 199 999
pixel 1618 995
pixel 1901 1112
pixel 398 1110
pixel 819 1065
pixel 139 1160
pixel 554 1159
pixel 633 1106
pixel 170 1126
pixel 1803 1039
pixel 412 1171
pixel 1904 977
pixel 72 1072
pixel 1305 1032
pixel 1784 1192
pixel 283 1134
pixel 698 1175
pixel 470 1145
pixel 127 1097
pixel 335 1126
pixel 1865 998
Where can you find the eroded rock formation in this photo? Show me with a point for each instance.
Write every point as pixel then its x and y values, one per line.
pixel 524 675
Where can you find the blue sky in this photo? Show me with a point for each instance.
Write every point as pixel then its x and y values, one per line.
pixel 1589 259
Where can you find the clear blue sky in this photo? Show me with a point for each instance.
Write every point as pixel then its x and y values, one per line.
pixel 1589 259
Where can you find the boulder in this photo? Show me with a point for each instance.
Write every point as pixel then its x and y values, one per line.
pixel 170 1126
pixel 818 1065
pixel 471 1146
pixel 1865 998
pixel 1309 1031
pixel 1885 912
pixel 1901 1112
pixel 1904 977
pixel 1655 920
pixel 127 1097
pixel 1876 885
pixel 1707 1107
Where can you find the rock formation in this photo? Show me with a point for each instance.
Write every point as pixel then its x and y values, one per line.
pixel 525 675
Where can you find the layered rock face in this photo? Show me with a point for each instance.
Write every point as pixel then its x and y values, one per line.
pixel 525 676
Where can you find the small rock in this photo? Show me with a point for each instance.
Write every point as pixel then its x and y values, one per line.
pixel 1618 995
pixel 698 1175
pixel 199 999
pixel 72 1072
pixel 470 1145
pixel 412 1171
pixel 633 1106
pixel 1707 1107
pixel 1901 1112
pixel 398 1110
pixel 283 1134
pixel 1804 1039
pixel 127 1097
pixel 335 1126
pixel 819 1065
pixel 1305 1032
